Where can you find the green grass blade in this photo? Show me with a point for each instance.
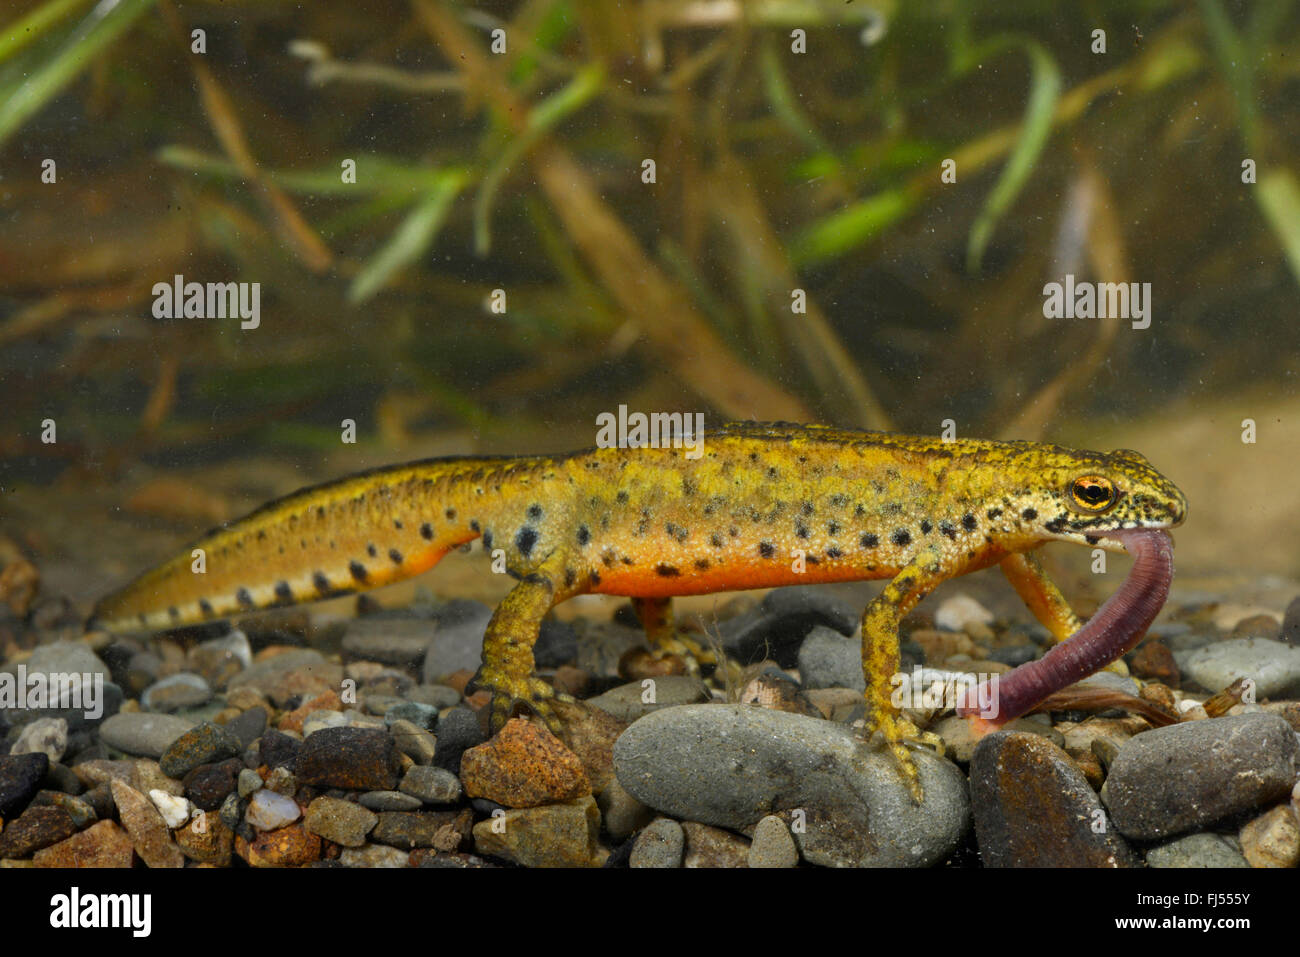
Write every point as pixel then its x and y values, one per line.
pixel 33 26
pixel 841 232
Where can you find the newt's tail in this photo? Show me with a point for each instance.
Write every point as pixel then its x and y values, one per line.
pixel 344 536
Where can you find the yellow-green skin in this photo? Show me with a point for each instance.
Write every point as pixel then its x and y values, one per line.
pixel 764 505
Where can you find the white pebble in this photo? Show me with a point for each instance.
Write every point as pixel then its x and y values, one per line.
pixel 268 810
pixel 958 611
pixel 174 810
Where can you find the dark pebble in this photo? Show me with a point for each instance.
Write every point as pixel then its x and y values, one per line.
pixel 1014 654
pixel 408 829
pixel 20 777
pixel 208 785
pixel 248 726
pixel 206 743
pixel 280 750
pixel 458 731
pixel 1033 808
pixel 556 645
pixel 35 828
pixel 777 627
pixel 360 759
pixel 1290 632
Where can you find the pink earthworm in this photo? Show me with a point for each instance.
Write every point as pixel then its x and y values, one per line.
pixel 1115 629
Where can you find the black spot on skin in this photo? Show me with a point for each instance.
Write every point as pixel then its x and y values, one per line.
pixel 806 508
pixel 474 526
pixel 395 556
pixel 994 513
pixel 525 540
pixel 174 612
pixel 205 606
pixel 926 527
pixel 702 564
pixel 621 497
pixel 948 528
pixel 372 551
pixel 451 514
pixel 534 512
pixel 487 539
pixel 870 541
pixel 609 558
pixel 716 540
pixel 833 552
pixel 1029 514
pixel 832 528
pixel 1092 539
pixel 397 524
pixel 969 522
pixel 772 473
pixel 688 487
pixel 357 570
pixel 283 591
pixel 244 597
pixel 261 535
pixel 766 549
pixel 584 535
pixel 838 500
pixel 1056 524
pixel 733 532
pixel 627 561
pixel 859 512
pixel 426 532
pixel 320 511
pixel 901 537
pixel 666 571
pixel 813 560
pixel 594 578
pixel 801 530
pixel 321 583
pixel 570 576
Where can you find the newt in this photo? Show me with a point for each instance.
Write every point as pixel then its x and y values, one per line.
pixel 765 505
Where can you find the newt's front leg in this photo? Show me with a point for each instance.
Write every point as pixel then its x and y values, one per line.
pixel 507 669
pixel 880 657
pixel 656 615
pixel 1045 600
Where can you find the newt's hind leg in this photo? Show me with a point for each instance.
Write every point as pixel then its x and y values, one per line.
pixel 1045 600
pixel 656 615
pixel 507 669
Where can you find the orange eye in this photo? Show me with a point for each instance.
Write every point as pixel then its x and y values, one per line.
pixel 1093 493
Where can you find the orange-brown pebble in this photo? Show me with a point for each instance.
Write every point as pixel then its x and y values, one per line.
pixel 291 846
pixel 523 766
pixel 571 680
pixel 102 845
pixel 458 679
pixel 205 839
pixel 326 701
pixel 1154 661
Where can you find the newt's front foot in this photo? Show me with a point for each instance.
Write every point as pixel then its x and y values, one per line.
pixel 510 691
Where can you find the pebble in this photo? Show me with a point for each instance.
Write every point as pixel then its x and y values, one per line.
pixel 342 822
pixel 1290 631
pixel 1257 626
pixel 1033 808
pixel 325 703
pixel 209 784
pixel 358 759
pixel 206 839
pixel 776 690
pixel 1155 662
pixel 291 846
pixel 101 845
pixel 278 749
pixel 147 735
pixel 82 813
pixel 458 731
pixel 176 692
pixel 146 774
pixel 712 847
pixel 661 844
pixel 220 659
pixel 73 658
pixel 37 827
pixel 772 845
pixel 456 640
pixel 20 778
pixel 249 726
pixel 602 646
pixel 1272 839
pixel 523 766
pixel 248 782
pixel 282 781
pixel 268 810
pixel 413 741
pixel 557 644
pixel 374 855
pixel 299 672
pixel 955 613
pixel 630 701
pixel 1196 850
pixel 320 720
pixel 554 835
pixel 410 829
pixel 431 785
pixel 730 765
pixel 149 833
pixel 175 810
pixel 206 743
pixel 777 627
pixel 1273 665
pixel 101 771
pixel 47 735
pixel 390 801
pixel 621 814
pixel 1185 776
pixel 418 713
pixel 390 641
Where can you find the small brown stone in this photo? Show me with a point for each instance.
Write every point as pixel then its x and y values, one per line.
pixel 523 766
pixel 1272 839
pixel 327 701
pixel 571 680
pixel 149 833
pixel 291 846
pixel 102 845
pixel 557 835
pixel 37 827
pixel 1154 661
pixel 206 839
pixel 713 847
pixel 590 734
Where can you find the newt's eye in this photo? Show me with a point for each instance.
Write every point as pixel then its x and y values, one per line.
pixel 1093 493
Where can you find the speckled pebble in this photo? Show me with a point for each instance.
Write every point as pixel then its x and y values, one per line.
pixel 176 692
pixel 772 845
pixel 342 822
pixel 431 785
pixel 248 782
pixel 660 844
pixel 47 735
pixel 206 743
pixel 374 855
pixel 414 741
pixel 1195 850
pixel 828 659
pixel 713 847
pixel 555 835
pixel 1273 665
pixel 1272 839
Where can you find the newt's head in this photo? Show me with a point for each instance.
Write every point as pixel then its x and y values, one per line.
pixel 1087 494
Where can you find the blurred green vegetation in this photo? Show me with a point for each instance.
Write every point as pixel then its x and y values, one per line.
pixel 524 171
